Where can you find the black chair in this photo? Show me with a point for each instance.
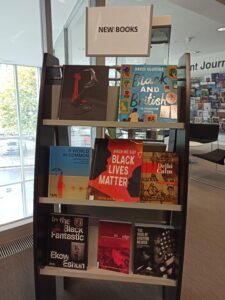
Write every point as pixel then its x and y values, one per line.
pixel 216 156
pixel 204 133
pixel 207 133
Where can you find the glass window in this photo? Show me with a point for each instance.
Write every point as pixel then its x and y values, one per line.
pixel 19 87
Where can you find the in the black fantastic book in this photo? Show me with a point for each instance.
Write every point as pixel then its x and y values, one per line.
pixel 67 241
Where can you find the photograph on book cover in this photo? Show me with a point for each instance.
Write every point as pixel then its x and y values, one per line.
pixel 155 250
pixel 68 241
pixel 84 93
pixel 114 246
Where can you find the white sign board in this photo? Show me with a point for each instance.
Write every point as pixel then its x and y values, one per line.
pixel 118 31
pixel 206 64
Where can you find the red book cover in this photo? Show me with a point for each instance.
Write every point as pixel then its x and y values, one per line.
pixel 84 92
pixel 114 246
pixel 116 170
pixel 159 177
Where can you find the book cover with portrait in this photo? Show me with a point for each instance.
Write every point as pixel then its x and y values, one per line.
pixel 68 241
pixel 155 251
pixel 116 170
pixel 84 92
pixel 114 244
pixel 159 177
pixel 69 169
pixel 148 93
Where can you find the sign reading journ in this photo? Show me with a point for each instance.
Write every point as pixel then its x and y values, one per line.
pixel 118 31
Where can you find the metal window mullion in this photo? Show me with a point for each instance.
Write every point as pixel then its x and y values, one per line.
pixel 20 141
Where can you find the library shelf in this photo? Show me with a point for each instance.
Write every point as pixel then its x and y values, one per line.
pixel 99 274
pixel 111 204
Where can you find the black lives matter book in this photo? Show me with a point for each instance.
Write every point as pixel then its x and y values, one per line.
pixel 116 170
pixel 68 241
pixel 84 93
pixel 155 248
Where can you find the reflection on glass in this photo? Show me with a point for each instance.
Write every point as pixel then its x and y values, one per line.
pixel 11 203
pixel 29 191
pixel 28 99
pixel 8 107
pixel 76 36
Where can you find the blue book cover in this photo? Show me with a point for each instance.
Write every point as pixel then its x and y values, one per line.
pixel 69 169
pixel 148 93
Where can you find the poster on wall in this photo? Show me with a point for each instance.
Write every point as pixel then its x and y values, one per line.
pixel 118 31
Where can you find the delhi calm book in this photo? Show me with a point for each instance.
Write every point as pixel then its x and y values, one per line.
pixel 159 177
pixel 68 241
pixel 84 92
pixel 69 169
pixel 155 249
pixel 148 93
pixel 114 245
pixel 116 170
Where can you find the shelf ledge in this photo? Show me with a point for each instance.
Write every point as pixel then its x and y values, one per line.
pixel 56 122
pixel 94 273
pixel 102 203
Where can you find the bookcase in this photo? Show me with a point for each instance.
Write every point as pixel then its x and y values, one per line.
pixel 52 131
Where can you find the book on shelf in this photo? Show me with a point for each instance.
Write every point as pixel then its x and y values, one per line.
pixel 155 250
pixel 159 177
pixel 148 93
pixel 84 93
pixel 114 245
pixel 68 241
pixel 116 170
pixel 69 169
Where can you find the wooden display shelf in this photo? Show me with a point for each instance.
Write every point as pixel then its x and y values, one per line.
pixel 102 203
pixel 94 273
pixel 128 125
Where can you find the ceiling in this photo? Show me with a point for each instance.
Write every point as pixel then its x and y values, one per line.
pixel 194 26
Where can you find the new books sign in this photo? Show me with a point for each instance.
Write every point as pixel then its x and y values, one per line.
pixel 118 31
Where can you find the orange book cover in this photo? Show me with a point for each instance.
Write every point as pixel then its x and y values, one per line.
pixel 159 177
pixel 116 170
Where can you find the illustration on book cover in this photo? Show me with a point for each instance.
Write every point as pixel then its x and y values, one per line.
pixel 148 93
pixel 159 177
pixel 116 170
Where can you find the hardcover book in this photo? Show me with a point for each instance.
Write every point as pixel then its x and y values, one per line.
pixel 114 246
pixel 68 241
pixel 148 93
pixel 84 92
pixel 159 177
pixel 116 170
pixel 155 251
pixel 69 169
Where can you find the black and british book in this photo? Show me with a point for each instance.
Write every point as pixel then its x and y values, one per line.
pixel 68 241
pixel 84 93
pixel 155 249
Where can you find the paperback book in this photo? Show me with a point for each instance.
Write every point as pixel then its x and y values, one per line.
pixel 84 92
pixel 69 169
pixel 155 251
pixel 114 246
pixel 68 241
pixel 159 177
pixel 148 93
pixel 116 170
